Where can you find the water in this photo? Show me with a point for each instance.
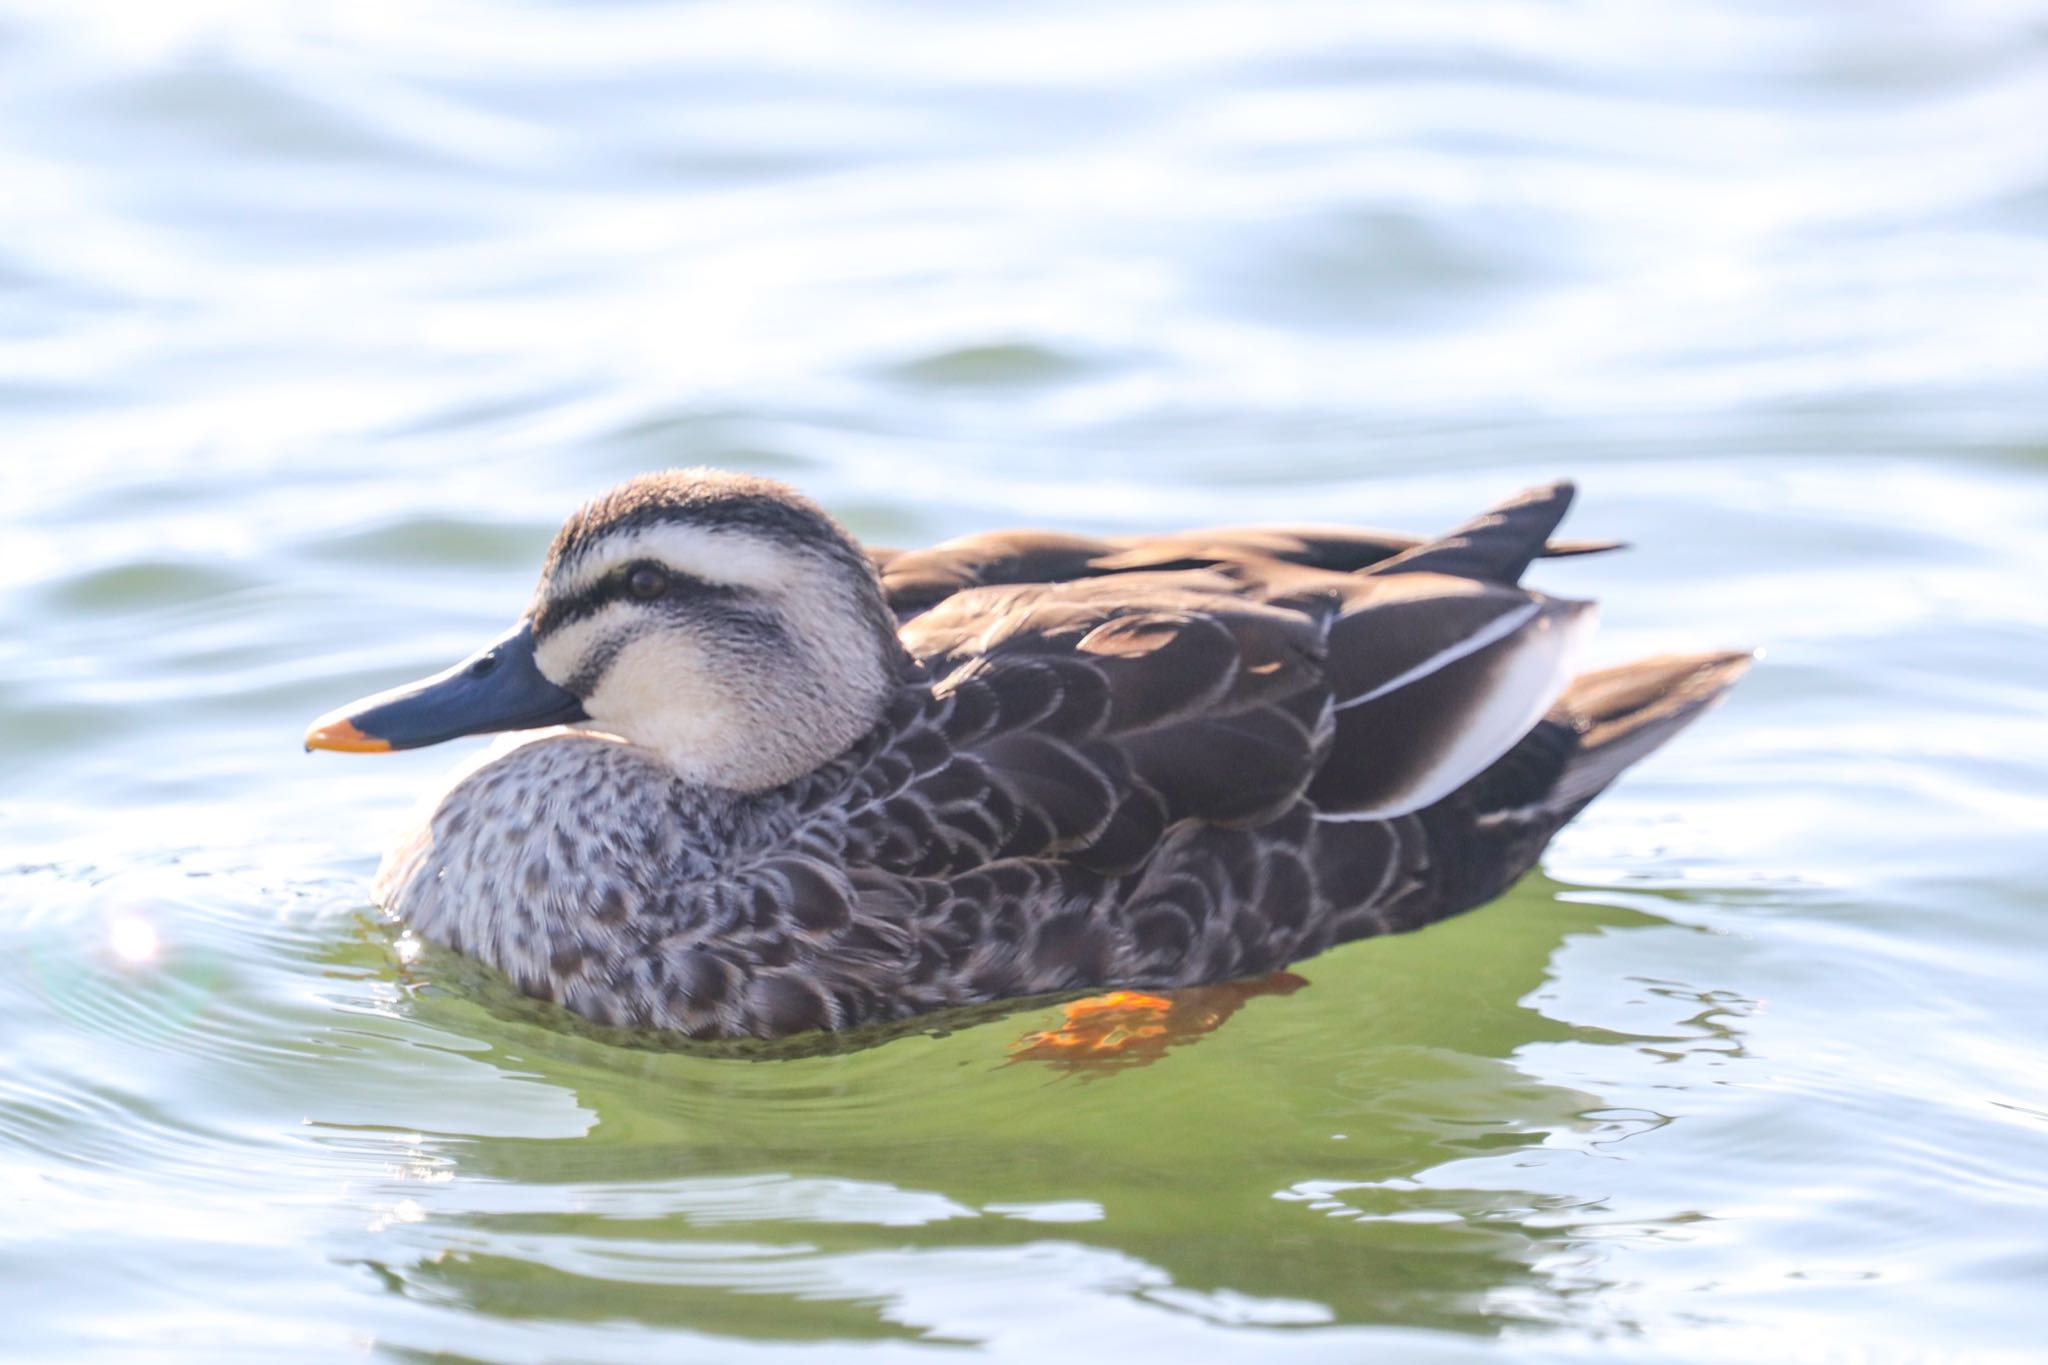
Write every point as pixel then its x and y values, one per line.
pixel 314 319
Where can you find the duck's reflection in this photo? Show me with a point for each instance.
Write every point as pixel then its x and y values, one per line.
pixel 1376 1151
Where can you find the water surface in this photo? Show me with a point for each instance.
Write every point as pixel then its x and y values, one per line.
pixel 315 319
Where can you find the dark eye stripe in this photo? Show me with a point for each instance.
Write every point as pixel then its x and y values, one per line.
pixel 615 586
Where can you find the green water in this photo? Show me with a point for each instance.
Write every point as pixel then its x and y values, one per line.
pixel 314 320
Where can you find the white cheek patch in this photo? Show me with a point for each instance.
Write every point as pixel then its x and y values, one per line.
pixel 659 690
pixel 562 652
pixel 664 693
pixel 731 558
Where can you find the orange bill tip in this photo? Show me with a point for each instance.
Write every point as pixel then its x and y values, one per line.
pixel 342 737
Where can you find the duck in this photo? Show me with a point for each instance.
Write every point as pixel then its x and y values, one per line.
pixel 757 780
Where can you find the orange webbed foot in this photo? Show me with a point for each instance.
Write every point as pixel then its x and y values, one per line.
pixel 1132 1028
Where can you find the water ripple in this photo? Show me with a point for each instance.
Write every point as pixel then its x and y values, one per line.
pixel 320 317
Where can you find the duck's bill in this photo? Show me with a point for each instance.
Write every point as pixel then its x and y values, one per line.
pixel 500 687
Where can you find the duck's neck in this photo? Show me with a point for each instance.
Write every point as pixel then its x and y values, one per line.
pixel 722 827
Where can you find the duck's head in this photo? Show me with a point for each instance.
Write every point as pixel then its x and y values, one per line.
pixel 722 621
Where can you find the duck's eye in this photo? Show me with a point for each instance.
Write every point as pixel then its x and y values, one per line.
pixel 647 584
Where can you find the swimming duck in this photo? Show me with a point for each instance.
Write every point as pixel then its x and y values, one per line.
pixel 777 782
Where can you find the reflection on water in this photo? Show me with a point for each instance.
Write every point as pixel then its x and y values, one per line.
pixel 692 1191
pixel 746 1199
pixel 315 319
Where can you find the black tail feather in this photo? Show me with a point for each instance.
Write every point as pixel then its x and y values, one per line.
pixel 1498 545
pixel 1491 831
pixel 1623 713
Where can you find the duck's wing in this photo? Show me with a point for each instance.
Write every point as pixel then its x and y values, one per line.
pixel 1084 718
pixel 914 581
pixel 1496 546
pixel 1102 712
pixel 917 580
pixel 1215 902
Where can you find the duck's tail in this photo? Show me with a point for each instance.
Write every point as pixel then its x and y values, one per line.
pixel 1621 714
pixel 1491 830
pixel 1499 544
